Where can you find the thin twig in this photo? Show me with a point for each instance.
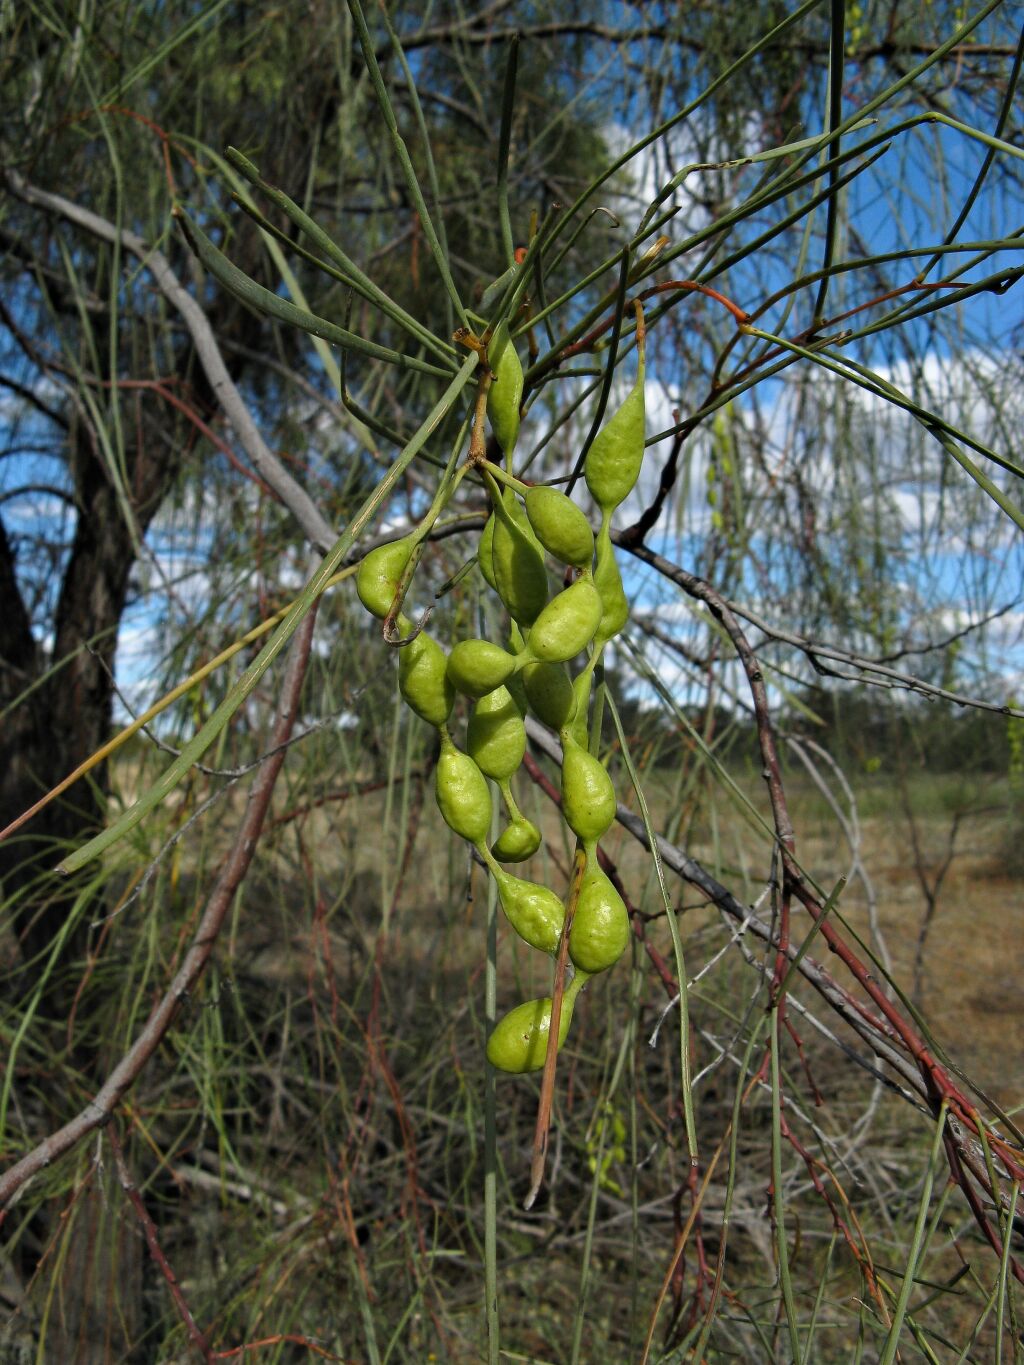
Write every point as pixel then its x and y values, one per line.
pixel 98 1111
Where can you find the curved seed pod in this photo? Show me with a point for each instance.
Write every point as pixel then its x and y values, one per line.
pixel 581 688
pixel 588 797
pixel 485 552
pixel 519 1042
pixel 560 526
pixel 567 624
pixel 476 667
pixel 608 582
pixel 505 395
pixel 534 912
pixel 613 462
pixel 423 679
pixel 520 578
pixel 462 793
pixel 378 575
pixel 550 694
pixel 600 926
pixel 517 842
pixel 496 737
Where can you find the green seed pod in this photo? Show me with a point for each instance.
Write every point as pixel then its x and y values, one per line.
pixel 517 842
pixel 520 578
pixel 567 624
pixel 588 797
pixel 505 395
pixel 608 582
pixel 581 688
pixel 515 683
pixel 519 1042
pixel 423 679
pixel 534 912
pixel 560 526
pixel 476 667
pixel 462 793
pixel 496 737
pixel 484 553
pixel 549 693
pixel 600 926
pixel 613 462
pixel 378 575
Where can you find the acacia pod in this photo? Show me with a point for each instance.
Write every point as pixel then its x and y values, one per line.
pixel 496 737
pixel 378 575
pixel 517 562
pixel 476 667
pixel 463 797
pixel 518 841
pixel 423 679
pixel 550 693
pixel 588 797
pixel 505 396
pixel 613 461
pixel 534 911
pixel 560 526
pixel 514 683
pixel 567 624
pixel 519 1042
pixel 581 688
pixel 600 926
pixel 608 582
pixel 485 553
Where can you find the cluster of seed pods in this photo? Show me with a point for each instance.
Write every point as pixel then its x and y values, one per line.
pixel 546 634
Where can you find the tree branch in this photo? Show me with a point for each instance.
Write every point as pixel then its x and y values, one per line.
pixel 314 525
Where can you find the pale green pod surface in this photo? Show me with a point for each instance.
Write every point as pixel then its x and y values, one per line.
pixel 613 462
pixel 560 526
pixel 485 552
pixel 519 1042
pixel 505 396
pixel 476 667
pixel 550 694
pixel 496 737
pixel 515 683
pixel 520 578
pixel 581 688
pixel 463 797
pixel 534 912
pixel 517 842
pixel 608 582
pixel 378 575
pixel 588 797
pixel 423 679
pixel 567 624
pixel 600 927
